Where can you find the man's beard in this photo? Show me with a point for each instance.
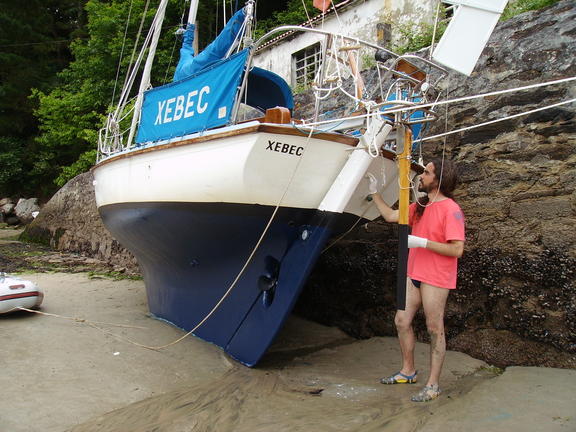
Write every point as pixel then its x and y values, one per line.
pixel 426 189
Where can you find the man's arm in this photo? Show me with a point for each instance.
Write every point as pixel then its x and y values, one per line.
pixel 387 213
pixel 454 248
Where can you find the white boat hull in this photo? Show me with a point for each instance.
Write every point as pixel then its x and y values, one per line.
pixel 258 167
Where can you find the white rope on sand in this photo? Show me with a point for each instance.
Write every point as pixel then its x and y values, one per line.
pixel 79 320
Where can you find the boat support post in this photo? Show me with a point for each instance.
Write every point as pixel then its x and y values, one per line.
pixel 404 135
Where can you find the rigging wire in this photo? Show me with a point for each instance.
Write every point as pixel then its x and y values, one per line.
pixel 434 30
pixel 306 11
pixel 501 119
pixel 416 107
pixel 482 95
pixel 138 34
pixel 122 52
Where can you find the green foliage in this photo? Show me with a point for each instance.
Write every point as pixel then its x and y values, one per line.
pixel 31 52
pixel 414 37
pixel 33 48
pixel 368 61
pixel 520 6
pixel 11 161
pixel 83 164
pixel 294 14
pixel 54 93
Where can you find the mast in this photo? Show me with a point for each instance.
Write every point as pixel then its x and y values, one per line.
pixel 193 11
pixel 145 83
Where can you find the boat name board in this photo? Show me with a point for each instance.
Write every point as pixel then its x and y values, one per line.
pixel 279 147
pixel 180 109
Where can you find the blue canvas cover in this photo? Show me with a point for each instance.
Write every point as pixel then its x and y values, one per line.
pixel 268 90
pixel 197 103
pixel 189 65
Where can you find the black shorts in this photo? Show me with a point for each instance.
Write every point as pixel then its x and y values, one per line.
pixel 416 283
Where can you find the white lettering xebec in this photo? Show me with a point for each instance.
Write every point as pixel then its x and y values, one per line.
pixel 182 106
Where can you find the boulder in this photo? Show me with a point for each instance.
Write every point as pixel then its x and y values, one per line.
pixel 7 208
pixel 5 201
pixel 12 220
pixel 25 209
pixel 70 222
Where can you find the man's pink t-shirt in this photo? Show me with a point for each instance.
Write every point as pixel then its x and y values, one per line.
pixel 442 221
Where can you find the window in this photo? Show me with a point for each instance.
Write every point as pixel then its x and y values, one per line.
pixel 305 64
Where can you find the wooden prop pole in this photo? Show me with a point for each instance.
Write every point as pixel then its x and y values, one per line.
pixel 405 134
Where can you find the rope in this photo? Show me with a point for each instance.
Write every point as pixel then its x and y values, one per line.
pixel 78 320
pixel 414 191
pixel 306 11
pixel 434 104
pixel 482 95
pixel 434 30
pixel 499 120
pixel 131 62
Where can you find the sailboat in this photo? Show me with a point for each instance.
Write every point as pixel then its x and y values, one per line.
pixel 227 213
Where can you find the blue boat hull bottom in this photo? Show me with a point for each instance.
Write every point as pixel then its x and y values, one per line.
pixel 190 254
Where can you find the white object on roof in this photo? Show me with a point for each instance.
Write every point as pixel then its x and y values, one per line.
pixel 16 293
pixel 467 33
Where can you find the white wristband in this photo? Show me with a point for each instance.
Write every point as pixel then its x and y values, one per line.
pixel 417 242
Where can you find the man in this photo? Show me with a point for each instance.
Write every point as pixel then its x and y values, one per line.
pixel 436 243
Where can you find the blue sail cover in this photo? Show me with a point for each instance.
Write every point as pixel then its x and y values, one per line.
pixel 189 65
pixel 266 90
pixel 197 103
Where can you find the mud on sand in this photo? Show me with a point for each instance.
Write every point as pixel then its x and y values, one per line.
pixel 88 373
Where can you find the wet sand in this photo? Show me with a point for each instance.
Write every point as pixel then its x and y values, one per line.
pixel 65 374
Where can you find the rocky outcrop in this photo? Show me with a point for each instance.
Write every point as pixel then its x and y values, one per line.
pixel 70 222
pixel 517 286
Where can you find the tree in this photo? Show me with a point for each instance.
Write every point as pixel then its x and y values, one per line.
pixel 295 13
pixel 33 46
pixel 71 114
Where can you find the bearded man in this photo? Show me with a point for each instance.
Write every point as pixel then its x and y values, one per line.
pixel 436 243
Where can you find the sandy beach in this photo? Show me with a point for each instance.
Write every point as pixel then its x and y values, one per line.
pixel 85 369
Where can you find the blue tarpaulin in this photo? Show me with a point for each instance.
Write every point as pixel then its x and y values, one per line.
pixel 199 102
pixel 189 65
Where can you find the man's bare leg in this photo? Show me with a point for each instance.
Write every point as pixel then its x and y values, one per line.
pixel 403 322
pixel 434 304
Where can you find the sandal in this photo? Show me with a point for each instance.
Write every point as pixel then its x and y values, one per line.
pixel 427 394
pixel 400 378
